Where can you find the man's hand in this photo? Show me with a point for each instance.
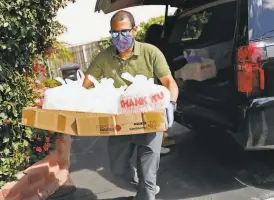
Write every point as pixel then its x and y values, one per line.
pixel 87 83
pixel 170 113
pixel 171 85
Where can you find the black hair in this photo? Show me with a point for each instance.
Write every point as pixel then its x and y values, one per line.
pixel 121 15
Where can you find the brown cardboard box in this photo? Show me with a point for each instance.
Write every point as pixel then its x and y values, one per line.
pixel 94 124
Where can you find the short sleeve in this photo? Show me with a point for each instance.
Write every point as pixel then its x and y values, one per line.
pixel 160 66
pixel 95 67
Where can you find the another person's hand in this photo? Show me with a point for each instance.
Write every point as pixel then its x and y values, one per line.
pixel 170 113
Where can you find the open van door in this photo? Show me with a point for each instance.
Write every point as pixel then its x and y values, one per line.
pixel 108 6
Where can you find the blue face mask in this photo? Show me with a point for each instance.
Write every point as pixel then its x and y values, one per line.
pixel 122 43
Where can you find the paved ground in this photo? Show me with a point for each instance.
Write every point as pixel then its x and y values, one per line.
pixel 202 166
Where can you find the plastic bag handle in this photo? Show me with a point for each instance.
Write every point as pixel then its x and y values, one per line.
pixel 69 81
pixel 80 77
pixel 93 80
pixel 127 76
pixel 60 80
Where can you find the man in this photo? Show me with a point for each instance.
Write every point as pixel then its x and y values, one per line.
pixel 128 55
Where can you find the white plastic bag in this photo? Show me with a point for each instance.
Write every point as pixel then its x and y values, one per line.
pixel 104 97
pixel 67 96
pixel 71 96
pixel 143 95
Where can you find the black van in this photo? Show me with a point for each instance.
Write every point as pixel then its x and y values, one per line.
pixel 238 36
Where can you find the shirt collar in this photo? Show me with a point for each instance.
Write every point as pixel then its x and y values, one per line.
pixel 136 49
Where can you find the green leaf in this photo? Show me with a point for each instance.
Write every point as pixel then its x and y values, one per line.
pixel 6 151
pixel 25 143
pixel 8 89
pixel 3 115
pixel 15 146
pixel 28 133
pixel 6 24
pixel 6 140
pixel 15 113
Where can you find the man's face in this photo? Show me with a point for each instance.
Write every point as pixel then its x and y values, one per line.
pixel 123 27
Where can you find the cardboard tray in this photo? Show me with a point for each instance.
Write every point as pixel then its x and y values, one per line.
pixel 94 124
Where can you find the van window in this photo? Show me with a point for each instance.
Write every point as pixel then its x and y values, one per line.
pixel 214 24
pixel 260 22
pixel 195 25
pixel 242 34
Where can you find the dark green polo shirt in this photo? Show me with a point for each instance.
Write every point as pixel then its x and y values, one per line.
pixel 145 60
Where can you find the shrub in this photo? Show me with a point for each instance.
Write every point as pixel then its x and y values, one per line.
pixel 20 146
pixel 145 25
pixel 15 93
pixel 28 30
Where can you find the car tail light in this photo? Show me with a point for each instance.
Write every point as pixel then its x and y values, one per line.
pixel 250 74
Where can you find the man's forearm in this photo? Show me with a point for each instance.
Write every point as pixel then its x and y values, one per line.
pixel 169 82
pixel 174 91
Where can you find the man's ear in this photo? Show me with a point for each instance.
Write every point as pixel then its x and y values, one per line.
pixel 135 29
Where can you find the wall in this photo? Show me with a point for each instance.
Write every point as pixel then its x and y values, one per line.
pixel 82 55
